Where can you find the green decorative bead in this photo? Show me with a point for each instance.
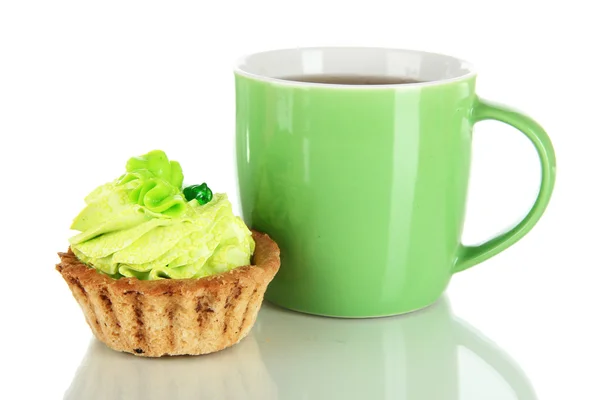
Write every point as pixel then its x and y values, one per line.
pixel 202 193
pixel 191 192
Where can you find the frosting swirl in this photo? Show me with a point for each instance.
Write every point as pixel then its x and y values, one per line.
pixel 141 225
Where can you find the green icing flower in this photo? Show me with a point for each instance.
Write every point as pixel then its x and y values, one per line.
pixel 155 183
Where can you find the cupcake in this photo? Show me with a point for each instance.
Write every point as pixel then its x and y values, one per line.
pixel 160 270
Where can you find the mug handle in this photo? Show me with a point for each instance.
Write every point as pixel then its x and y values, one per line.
pixel 469 256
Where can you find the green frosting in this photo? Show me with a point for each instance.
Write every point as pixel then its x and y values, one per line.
pixel 141 225
pixel 156 183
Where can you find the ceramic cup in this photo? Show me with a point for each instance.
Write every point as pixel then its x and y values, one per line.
pixel 364 187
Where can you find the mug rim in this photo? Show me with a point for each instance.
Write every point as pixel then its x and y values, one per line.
pixel 238 70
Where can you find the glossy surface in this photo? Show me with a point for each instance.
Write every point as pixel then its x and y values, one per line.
pixel 427 355
pixel 85 83
pixel 364 188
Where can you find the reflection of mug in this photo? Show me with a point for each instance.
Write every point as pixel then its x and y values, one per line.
pixel 364 186
pixel 416 356
pixel 235 373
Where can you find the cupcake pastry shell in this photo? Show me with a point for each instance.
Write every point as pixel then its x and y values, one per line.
pixel 173 316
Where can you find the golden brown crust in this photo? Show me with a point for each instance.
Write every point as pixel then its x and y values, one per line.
pixel 173 316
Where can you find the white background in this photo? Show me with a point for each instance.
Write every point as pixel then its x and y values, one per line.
pixel 84 85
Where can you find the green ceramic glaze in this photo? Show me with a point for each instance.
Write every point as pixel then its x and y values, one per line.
pixel 364 187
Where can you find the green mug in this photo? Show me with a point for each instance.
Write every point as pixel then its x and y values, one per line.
pixel 364 186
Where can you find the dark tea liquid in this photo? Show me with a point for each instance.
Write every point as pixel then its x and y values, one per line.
pixel 351 79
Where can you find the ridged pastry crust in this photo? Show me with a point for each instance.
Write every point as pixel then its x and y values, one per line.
pixel 173 316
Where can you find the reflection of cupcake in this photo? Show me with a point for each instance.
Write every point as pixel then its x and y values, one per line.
pixel 161 271
pixel 234 374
